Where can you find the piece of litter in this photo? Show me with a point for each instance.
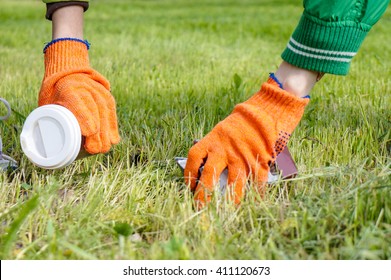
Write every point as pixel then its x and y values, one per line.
pixel 283 168
pixel 6 162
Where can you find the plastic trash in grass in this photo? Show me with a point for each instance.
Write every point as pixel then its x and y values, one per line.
pixel 51 137
pixel 6 162
pixel 284 168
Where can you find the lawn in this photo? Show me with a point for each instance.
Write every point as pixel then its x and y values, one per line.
pixel 176 68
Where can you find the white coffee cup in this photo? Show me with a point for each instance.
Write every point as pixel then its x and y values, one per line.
pixel 51 137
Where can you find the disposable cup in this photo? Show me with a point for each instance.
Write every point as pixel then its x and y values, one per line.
pixel 51 137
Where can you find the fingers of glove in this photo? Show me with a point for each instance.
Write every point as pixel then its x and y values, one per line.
pixel 104 143
pixel 202 197
pixel 49 88
pixel 195 159
pixel 259 175
pixel 113 128
pixel 95 75
pixel 93 144
pixel 259 172
pixel 83 107
pixel 105 138
pixel 44 97
pixel 88 97
pixel 112 120
pixel 107 109
pixel 209 178
pixel 237 178
pixel 214 166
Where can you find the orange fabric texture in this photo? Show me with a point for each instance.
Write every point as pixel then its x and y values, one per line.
pixel 246 142
pixel 69 81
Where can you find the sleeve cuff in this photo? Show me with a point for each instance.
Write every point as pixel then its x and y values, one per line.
pixel 52 7
pixel 326 47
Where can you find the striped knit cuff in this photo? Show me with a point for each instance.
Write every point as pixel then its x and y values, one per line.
pixel 326 47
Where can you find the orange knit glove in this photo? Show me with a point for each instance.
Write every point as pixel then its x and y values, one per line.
pixel 246 142
pixel 69 81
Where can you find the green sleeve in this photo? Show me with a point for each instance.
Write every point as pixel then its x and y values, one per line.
pixel 330 33
pixel 54 1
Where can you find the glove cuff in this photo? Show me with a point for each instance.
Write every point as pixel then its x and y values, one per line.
pixel 85 42
pixel 65 54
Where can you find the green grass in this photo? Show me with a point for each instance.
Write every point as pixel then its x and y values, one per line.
pixel 172 66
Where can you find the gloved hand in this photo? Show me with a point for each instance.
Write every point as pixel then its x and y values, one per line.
pixel 246 142
pixel 69 81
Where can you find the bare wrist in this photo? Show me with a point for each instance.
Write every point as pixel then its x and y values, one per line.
pixel 295 80
pixel 67 22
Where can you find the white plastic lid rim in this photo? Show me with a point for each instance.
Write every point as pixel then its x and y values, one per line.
pixel 51 137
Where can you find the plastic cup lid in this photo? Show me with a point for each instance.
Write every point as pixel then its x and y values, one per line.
pixel 51 137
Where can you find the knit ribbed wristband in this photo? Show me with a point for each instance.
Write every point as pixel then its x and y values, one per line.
pixel 64 54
